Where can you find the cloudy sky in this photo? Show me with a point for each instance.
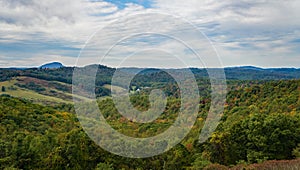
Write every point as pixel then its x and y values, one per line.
pixel 262 33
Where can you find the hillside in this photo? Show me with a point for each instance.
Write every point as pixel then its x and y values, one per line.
pixel 39 90
pixel 39 137
pixel 54 85
pixel 44 137
pixel 260 122
pixel 39 128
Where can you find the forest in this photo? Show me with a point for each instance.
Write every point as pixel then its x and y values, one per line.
pixel 259 129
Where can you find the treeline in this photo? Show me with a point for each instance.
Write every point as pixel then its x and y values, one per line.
pixel 149 76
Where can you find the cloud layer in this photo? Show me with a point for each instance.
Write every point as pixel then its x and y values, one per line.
pixel 262 32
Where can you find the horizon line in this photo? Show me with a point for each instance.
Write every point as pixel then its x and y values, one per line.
pixel 137 67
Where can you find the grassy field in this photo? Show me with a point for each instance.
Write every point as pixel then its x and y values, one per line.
pixel 115 88
pixel 60 96
pixel 13 90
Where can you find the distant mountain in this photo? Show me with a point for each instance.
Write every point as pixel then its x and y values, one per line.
pixel 52 65
pixel 246 68
pixel 150 74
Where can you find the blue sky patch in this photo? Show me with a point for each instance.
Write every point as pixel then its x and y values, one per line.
pixel 122 3
pixel 35 47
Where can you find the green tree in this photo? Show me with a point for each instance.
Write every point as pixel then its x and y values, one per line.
pixel 257 138
pixel 296 151
pixel 104 166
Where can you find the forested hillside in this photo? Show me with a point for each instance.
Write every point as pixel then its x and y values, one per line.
pixel 261 122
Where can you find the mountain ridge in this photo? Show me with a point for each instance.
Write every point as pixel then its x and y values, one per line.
pixel 232 73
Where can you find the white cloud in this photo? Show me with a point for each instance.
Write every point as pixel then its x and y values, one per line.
pixel 246 32
pixel 63 21
pixel 68 20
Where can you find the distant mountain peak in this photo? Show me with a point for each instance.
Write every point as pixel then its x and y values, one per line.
pixel 52 65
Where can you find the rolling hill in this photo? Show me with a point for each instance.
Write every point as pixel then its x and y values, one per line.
pixel 42 97
pixel 52 82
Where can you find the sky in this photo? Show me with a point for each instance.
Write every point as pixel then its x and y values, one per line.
pixel 263 33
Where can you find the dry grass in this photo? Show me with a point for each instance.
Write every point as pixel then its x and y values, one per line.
pixel 271 165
